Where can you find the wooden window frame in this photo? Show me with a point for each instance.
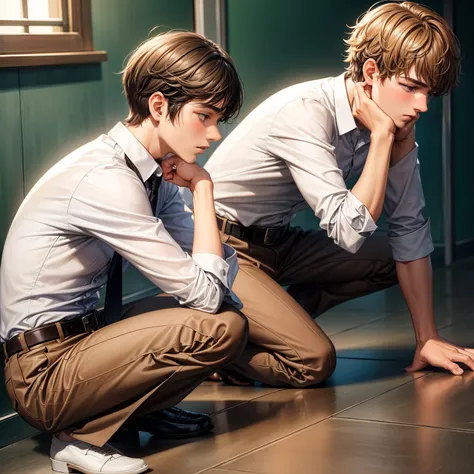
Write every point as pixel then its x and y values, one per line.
pixel 75 46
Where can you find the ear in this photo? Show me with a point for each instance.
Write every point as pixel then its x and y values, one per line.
pixel 370 71
pixel 158 106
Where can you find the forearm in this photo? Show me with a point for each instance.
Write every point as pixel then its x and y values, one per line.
pixel 416 282
pixel 371 186
pixel 206 233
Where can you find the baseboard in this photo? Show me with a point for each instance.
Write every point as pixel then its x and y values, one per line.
pixel 13 428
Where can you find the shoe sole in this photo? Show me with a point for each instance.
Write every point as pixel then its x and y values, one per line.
pixel 65 467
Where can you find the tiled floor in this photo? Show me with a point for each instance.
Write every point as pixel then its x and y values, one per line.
pixel 370 417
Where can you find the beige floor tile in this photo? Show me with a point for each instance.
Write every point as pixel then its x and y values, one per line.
pixel 263 420
pixel 439 399
pixel 357 447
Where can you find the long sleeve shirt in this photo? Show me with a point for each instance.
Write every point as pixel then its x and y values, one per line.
pixel 90 204
pixel 297 149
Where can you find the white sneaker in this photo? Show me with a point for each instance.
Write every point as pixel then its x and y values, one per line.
pixel 90 459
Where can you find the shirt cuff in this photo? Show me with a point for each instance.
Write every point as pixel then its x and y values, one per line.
pixel 412 246
pixel 360 224
pixel 225 270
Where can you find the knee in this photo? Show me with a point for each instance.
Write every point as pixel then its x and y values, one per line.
pixel 318 368
pixel 233 333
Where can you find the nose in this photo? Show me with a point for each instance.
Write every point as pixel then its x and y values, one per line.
pixel 213 134
pixel 421 104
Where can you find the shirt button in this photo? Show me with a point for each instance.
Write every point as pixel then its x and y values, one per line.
pixel 223 271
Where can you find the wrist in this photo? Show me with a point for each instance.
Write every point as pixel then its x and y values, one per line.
pixel 423 339
pixel 201 185
pixel 382 136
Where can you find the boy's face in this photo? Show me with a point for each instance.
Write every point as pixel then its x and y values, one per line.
pixel 192 131
pixel 402 98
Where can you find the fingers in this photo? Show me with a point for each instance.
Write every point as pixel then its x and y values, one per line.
pixel 465 358
pixel 175 179
pixel 453 367
pixel 360 97
pixel 417 365
pixel 356 103
pixel 170 164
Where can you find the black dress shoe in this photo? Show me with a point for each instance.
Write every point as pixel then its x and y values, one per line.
pixel 231 378
pixel 172 423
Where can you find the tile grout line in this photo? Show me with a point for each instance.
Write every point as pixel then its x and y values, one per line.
pixel 246 401
pixel 359 325
pixel 413 425
pixel 303 428
pixel 371 359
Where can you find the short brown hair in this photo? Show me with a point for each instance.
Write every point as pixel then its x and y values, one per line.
pixel 183 66
pixel 399 36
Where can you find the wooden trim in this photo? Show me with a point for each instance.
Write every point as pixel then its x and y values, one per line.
pixel 36 43
pixel 24 9
pixel 86 25
pixel 74 46
pixel 50 59
pixel 23 22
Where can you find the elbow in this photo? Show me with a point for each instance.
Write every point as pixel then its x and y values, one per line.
pixel 347 237
pixel 350 224
pixel 211 301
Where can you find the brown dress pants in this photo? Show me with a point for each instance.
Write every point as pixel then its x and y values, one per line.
pixel 91 383
pixel 286 346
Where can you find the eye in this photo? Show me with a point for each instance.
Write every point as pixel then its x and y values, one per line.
pixel 203 117
pixel 408 88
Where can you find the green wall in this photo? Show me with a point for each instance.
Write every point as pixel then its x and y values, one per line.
pixel 46 112
pixel 463 107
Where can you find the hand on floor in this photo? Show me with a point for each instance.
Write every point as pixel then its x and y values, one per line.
pixel 441 353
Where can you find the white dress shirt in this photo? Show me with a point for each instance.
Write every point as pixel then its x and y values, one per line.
pixel 60 244
pixel 298 148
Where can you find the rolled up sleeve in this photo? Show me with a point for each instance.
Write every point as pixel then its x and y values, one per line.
pixel 302 135
pixel 409 231
pixel 225 270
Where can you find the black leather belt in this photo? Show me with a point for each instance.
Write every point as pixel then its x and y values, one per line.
pixel 88 323
pixel 253 234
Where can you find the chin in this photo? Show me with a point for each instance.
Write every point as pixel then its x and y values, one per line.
pixel 399 123
pixel 189 159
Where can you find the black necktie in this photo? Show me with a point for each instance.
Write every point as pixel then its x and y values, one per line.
pixel 113 292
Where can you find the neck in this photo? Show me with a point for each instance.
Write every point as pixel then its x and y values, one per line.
pixel 147 134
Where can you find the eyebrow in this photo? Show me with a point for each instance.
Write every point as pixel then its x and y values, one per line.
pixel 415 81
pixel 212 107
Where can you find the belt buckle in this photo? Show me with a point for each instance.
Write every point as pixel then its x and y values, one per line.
pixel 89 325
pixel 267 240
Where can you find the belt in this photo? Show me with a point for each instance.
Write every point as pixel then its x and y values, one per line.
pixel 253 234
pixel 85 324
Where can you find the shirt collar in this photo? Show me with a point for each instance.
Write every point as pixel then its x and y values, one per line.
pixel 137 153
pixel 344 118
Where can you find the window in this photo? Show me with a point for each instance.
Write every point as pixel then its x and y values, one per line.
pixel 40 32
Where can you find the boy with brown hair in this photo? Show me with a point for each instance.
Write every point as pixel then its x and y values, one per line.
pixel 297 149
pixel 65 372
